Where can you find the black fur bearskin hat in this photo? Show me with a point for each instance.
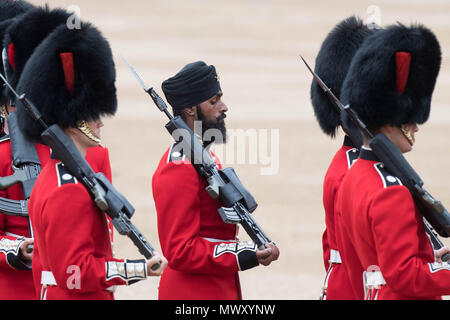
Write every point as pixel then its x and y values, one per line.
pixel 69 77
pixel 392 76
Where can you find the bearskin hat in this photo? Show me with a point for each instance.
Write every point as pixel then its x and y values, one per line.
pixel 392 76
pixel 12 8
pixel 69 77
pixel 24 35
pixel 9 10
pixel 332 64
pixel 3 26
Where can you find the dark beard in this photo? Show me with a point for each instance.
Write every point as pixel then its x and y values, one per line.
pixel 212 125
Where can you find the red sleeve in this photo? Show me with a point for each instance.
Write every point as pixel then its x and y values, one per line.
pixel 329 195
pixel 328 199
pixel 176 193
pixel 326 250
pixel 406 264
pixel 74 230
pixel 2 217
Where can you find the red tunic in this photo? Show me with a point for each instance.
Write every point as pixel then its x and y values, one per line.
pixel 72 240
pixel 16 279
pixel 337 284
pixel 204 257
pixel 98 158
pixel 380 224
pixel 14 274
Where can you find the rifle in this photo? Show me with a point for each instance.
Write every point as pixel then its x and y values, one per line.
pixel 14 207
pixel 105 196
pixel 224 184
pixel 435 216
pixel 26 166
pixel 25 160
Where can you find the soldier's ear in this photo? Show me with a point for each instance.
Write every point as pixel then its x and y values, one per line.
pixel 191 111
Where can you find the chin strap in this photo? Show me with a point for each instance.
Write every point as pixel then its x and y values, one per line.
pixel 407 133
pixel 3 117
pixel 83 126
pixel 3 112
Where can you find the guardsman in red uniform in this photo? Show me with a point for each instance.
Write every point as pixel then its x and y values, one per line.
pixel 22 36
pixel 73 250
pixel 203 252
pixel 331 65
pixel 15 277
pixel 389 84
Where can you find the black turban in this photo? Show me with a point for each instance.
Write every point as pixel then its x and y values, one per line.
pixel 194 84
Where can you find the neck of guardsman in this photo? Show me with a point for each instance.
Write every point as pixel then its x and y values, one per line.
pixel 81 146
pixel 190 122
pixel 367 139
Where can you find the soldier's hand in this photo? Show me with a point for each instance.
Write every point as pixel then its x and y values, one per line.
pixel 23 253
pixel 267 255
pixel 439 253
pixel 157 258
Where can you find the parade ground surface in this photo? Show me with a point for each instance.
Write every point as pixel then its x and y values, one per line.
pixel 255 46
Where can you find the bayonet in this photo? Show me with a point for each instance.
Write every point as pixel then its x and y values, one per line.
pixel 155 97
pixel 324 87
pixel 139 79
pixel 341 107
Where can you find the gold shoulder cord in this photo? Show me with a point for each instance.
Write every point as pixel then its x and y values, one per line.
pixel 83 126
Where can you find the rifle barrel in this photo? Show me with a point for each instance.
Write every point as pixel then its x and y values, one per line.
pixel 324 87
pixel 159 102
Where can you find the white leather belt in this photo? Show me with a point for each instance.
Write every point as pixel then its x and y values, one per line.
pixel 12 234
pixel 335 257
pixel 218 240
pixel 47 278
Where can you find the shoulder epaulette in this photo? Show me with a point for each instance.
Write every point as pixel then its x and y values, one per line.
pixel 176 153
pixel 64 176
pixel 387 178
